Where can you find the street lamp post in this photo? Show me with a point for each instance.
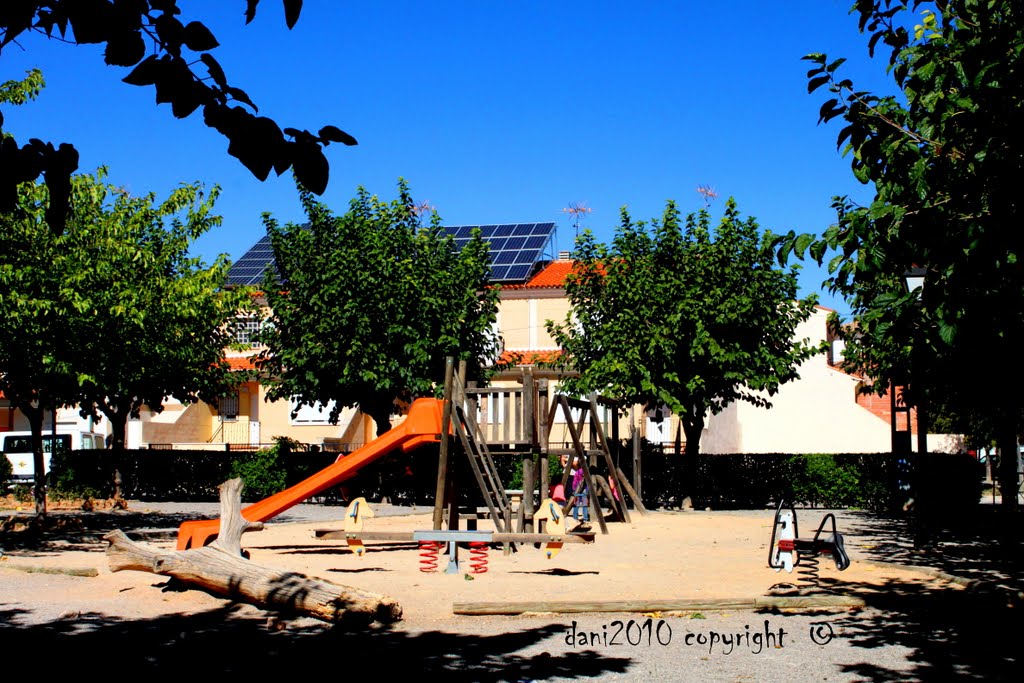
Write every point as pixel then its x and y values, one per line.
pixel 913 280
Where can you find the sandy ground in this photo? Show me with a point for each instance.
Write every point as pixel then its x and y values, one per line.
pixel 663 555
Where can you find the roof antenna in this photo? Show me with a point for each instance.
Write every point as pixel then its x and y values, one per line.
pixel 577 209
pixel 423 208
pixel 708 193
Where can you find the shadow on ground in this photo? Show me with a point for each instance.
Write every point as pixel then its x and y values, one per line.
pixel 967 629
pixel 964 630
pixel 984 544
pixel 64 530
pixel 225 641
pixel 948 633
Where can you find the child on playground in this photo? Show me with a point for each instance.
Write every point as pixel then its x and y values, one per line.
pixel 581 506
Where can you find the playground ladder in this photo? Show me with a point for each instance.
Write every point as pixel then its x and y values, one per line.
pixel 475 446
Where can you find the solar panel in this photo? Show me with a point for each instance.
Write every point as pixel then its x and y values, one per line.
pixel 515 250
pixel 248 270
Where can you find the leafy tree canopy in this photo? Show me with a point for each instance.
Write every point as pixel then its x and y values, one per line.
pixel 173 55
pixel 676 313
pixel 157 320
pixel 366 306
pixel 111 313
pixel 944 157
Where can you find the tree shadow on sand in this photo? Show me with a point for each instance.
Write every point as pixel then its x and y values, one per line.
pixel 950 632
pixel 228 640
pixel 961 621
pixel 983 544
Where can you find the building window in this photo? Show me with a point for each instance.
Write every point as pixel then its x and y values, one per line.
pixel 316 414
pixel 247 329
pixel 227 406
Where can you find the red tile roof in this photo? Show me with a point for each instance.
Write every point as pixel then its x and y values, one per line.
pixel 552 275
pixel 512 358
pixel 237 363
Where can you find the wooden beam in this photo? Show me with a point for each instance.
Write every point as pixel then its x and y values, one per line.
pixel 441 491
pixel 681 605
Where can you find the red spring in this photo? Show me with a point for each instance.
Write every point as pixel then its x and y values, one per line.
pixel 478 557
pixel 429 551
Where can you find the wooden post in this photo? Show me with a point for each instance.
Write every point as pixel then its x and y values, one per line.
pixel 441 492
pixel 543 425
pixel 526 502
pixel 632 493
pixel 529 410
pixel 453 494
pixel 637 464
pixel 619 506
pixel 596 513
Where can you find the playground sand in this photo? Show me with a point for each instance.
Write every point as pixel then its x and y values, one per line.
pixel 661 556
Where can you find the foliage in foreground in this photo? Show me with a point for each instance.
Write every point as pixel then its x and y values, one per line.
pixel 944 155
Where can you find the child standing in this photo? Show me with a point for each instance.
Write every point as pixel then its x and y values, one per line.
pixel 581 505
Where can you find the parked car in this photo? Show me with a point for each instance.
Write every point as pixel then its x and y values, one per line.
pixel 17 446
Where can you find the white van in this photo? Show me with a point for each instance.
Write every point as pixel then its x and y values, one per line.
pixel 17 446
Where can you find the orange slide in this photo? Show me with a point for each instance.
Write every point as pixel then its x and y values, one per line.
pixel 422 425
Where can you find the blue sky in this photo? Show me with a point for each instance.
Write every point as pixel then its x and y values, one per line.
pixel 493 111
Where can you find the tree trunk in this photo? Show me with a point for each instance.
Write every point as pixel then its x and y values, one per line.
pixel 220 568
pixel 118 416
pixel 35 422
pixel 693 425
pixel 1008 477
pixel 379 408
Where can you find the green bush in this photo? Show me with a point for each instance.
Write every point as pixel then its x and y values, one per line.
pixel 262 471
pixel 515 479
pixel 23 493
pixel 820 481
pixel 72 477
pixel 6 471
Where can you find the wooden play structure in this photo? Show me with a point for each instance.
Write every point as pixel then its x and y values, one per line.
pixel 518 422
pixel 481 424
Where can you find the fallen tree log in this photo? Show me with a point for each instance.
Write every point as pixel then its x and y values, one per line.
pixel 221 569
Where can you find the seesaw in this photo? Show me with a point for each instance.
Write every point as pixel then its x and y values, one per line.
pixel 432 540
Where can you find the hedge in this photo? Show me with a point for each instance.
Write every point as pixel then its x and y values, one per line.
pixel 878 481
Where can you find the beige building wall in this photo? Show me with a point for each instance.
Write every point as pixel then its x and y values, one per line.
pixel 555 310
pixel 177 423
pixel 353 427
pixel 523 316
pixel 514 323
pixel 816 413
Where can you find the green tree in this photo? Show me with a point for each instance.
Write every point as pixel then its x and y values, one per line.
pixel 36 369
pixel 943 155
pixel 32 376
pixel 682 315
pixel 184 74
pixel 157 320
pixel 111 313
pixel 366 306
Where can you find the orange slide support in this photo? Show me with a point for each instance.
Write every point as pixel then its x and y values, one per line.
pixel 422 425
